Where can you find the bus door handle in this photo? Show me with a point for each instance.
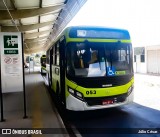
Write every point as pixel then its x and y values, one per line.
pixel 57 71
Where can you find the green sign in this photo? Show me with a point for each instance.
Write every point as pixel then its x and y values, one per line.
pixel 120 72
pixel 10 51
pixel 10 41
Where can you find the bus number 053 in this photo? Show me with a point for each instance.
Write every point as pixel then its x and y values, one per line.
pixel 91 92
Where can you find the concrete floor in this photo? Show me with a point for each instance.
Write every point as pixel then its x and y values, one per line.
pixel 147 90
pixel 41 112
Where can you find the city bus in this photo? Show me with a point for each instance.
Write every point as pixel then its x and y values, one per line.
pixel 91 68
pixel 43 64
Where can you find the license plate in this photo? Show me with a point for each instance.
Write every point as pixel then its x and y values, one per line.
pixel 106 102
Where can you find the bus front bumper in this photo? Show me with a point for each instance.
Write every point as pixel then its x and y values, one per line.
pixel 75 104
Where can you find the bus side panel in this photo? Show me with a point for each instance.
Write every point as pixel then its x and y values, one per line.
pixel 50 67
pixel 48 72
pixel 62 70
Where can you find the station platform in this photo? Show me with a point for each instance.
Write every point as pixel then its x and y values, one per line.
pixel 40 110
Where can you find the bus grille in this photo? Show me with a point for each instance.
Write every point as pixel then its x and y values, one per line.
pixel 91 101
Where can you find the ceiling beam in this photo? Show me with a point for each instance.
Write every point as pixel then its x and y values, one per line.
pixel 35 34
pixel 36 39
pixel 25 27
pixel 26 13
pixel 40 41
pixel 39 17
pixel 35 47
pixel 14 7
pixel 38 49
pixel 36 44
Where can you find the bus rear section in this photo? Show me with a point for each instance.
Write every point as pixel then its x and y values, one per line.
pixel 43 64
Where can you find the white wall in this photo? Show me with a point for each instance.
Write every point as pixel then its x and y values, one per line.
pixel 153 59
pixel 140 67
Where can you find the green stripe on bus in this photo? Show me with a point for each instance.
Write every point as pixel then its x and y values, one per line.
pixel 96 40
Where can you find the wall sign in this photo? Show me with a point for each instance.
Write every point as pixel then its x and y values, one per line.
pixel 11 62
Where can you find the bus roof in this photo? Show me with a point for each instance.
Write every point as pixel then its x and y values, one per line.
pixel 93 32
pixel 97 32
pixel 95 27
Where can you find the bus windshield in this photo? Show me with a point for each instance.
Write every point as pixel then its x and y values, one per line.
pixel 98 59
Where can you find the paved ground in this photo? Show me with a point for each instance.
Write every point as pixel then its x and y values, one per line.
pixel 41 111
pixel 127 120
pixel 147 90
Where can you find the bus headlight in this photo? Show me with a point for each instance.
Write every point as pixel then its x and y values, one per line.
pixel 70 90
pixel 75 93
pixel 130 89
pixel 79 94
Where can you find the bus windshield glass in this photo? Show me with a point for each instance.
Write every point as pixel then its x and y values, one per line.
pixel 98 59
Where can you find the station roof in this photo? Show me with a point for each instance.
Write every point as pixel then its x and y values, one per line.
pixel 39 20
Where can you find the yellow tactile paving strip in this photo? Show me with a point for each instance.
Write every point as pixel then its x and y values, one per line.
pixel 36 110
